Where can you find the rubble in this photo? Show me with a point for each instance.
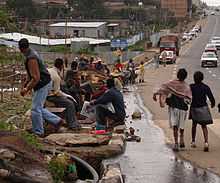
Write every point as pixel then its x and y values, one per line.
pixel 4 173
pixel 136 115
pixel 6 154
pixel 131 137
pixel 112 174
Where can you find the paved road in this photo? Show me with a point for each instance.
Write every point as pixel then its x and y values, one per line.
pixel 190 58
pixel 151 161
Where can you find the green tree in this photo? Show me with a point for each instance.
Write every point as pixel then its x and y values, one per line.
pixel 4 18
pixel 6 21
pixel 88 8
pixel 22 8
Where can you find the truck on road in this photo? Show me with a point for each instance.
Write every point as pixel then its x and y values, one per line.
pixel 170 42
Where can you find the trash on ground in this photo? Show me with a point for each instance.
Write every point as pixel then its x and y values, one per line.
pixel 136 115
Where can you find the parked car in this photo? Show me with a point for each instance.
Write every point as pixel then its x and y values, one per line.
pixel 209 59
pixel 168 57
pixel 186 36
pixel 216 43
pixel 196 29
pixel 211 48
pixel 212 13
pixel 215 38
pixel 193 33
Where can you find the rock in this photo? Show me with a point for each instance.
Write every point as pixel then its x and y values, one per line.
pixel 132 130
pixel 4 173
pixel 138 139
pixel 6 154
pixel 115 179
pixel 70 139
pixel 133 138
pixel 119 129
pixel 136 115
pixel 112 174
pixel 117 140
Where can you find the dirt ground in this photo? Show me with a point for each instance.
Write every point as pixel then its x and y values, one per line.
pixel 13 104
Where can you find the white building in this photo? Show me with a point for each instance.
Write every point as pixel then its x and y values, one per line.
pixel 78 29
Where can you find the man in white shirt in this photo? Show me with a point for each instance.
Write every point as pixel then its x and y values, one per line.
pixel 61 99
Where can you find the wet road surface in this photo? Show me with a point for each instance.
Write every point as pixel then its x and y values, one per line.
pixel 151 161
pixel 191 58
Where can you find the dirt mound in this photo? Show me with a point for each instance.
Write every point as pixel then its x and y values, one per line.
pixel 15 141
pixel 27 163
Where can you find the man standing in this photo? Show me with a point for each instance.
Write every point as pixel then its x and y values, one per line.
pixel 37 79
pixel 115 97
pixel 61 99
pixel 131 68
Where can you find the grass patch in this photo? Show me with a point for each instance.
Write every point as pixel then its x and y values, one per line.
pixel 57 170
pixel 31 140
pixel 58 49
pixel 86 51
pixel 5 126
pixel 139 46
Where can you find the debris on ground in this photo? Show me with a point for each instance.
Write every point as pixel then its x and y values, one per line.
pixel 131 137
pixel 136 115
pixel 20 161
pixel 112 174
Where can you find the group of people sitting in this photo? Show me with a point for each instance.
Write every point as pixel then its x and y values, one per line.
pixel 84 63
pixel 130 72
pixel 69 91
pixel 68 88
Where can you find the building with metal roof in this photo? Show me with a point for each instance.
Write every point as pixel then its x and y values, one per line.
pixel 78 29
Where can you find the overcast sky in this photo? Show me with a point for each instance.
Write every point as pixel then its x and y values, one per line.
pixel 212 2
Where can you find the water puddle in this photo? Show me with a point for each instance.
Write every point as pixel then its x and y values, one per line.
pixel 151 161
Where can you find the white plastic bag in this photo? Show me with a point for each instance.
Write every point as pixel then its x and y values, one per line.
pixel 88 111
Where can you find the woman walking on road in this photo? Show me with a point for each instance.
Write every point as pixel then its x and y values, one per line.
pixel 199 110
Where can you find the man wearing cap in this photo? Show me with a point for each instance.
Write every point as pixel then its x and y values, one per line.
pixel 37 79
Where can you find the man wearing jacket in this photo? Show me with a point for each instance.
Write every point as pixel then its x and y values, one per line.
pixel 114 96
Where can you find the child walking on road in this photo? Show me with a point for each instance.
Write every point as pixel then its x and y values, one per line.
pixel 199 110
pixel 142 73
pixel 177 95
